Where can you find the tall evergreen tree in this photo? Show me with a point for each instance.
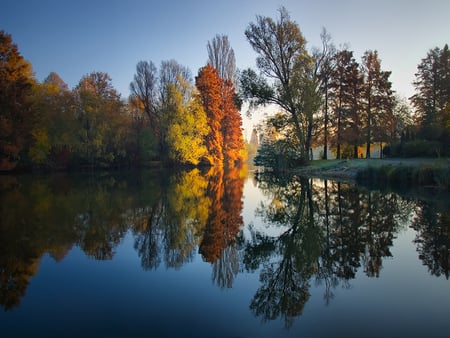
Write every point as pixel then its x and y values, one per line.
pixel 324 68
pixel 376 94
pixel 342 81
pixel 432 85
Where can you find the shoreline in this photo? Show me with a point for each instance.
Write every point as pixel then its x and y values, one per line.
pixel 393 171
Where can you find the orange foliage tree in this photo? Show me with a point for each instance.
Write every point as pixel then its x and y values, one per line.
pixel 231 126
pixel 209 85
pixel 224 142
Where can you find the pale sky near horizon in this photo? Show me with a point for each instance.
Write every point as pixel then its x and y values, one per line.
pixel 76 37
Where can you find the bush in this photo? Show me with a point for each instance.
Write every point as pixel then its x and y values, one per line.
pixel 415 148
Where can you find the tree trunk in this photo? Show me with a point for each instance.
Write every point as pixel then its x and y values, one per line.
pixel 325 139
pixel 369 118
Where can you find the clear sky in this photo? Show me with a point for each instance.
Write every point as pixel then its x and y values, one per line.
pixel 76 37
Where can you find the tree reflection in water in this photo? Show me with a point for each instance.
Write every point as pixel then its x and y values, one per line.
pixel 327 231
pixel 331 230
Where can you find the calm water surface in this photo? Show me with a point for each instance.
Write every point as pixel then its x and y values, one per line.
pixel 220 254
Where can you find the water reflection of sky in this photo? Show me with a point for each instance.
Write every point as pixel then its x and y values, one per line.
pixel 252 201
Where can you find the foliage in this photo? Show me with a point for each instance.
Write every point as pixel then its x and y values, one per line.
pixel 187 126
pixel 16 82
pixel 279 149
pixel 102 127
pixel 287 73
pixel 376 97
pixel 432 98
pixel 224 142
pixel 327 98
pixel 148 145
pixel 209 84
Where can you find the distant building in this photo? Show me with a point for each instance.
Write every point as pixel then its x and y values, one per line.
pixel 254 140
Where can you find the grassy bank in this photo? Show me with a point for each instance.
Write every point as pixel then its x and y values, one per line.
pixel 394 172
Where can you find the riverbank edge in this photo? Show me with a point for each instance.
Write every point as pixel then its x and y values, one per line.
pixel 396 172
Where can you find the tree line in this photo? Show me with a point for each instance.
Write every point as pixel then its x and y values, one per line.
pixel 168 117
pixel 326 98
pixel 330 100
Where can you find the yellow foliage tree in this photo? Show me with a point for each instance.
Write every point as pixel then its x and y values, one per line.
pixel 187 125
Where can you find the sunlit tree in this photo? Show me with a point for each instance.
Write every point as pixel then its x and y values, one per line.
pixel 231 127
pixel 186 124
pixel 209 85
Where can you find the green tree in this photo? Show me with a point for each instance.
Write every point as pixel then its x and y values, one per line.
pixel 287 74
pixel 16 82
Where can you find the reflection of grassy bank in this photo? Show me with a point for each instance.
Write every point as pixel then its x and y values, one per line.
pixel 394 172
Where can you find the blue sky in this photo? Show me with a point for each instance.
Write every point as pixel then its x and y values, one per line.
pixel 76 37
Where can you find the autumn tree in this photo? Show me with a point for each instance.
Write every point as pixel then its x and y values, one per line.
pixel 286 74
pixel 102 125
pixel 187 124
pixel 54 134
pixel 353 133
pixel 344 78
pixel 376 94
pixel 174 79
pixel 209 85
pixel 16 82
pixel 432 99
pixel 231 128
pixel 54 79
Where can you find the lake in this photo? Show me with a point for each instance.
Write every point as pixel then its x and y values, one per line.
pixel 217 253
